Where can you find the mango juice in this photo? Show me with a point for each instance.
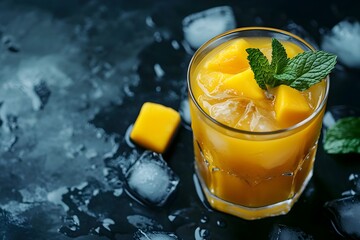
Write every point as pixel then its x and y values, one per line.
pixel 254 149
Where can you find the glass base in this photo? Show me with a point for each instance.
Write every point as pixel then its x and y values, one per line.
pixel 250 213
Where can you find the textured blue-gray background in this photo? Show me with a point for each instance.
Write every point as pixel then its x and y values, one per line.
pixel 73 76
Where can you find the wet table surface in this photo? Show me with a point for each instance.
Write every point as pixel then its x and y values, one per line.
pixel 73 77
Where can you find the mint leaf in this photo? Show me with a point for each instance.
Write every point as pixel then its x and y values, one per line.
pixel 300 72
pixel 279 61
pixel 279 58
pixel 344 136
pixel 260 66
pixel 309 68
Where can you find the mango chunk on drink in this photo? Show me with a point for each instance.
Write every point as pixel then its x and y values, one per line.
pixel 290 106
pixel 155 126
pixel 244 84
pixel 232 59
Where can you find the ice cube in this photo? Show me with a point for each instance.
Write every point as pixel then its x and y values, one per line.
pixel 255 119
pixel 202 26
pixel 141 235
pixel 345 215
pixel 151 180
pixel 262 121
pixel 282 232
pixel 227 112
pixel 343 41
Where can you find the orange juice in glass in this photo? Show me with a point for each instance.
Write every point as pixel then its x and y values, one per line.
pixel 253 158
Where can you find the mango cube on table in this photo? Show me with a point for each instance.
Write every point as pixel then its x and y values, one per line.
pixel 291 106
pixel 155 127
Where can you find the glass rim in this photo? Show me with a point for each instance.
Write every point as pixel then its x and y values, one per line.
pixel 241 131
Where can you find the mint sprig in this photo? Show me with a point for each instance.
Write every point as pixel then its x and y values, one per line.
pixel 344 136
pixel 299 72
pixel 263 72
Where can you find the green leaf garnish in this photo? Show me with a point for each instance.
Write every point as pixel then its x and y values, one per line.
pixel 300 72
pixel 260 66
pixel 344 136
pixel 278 56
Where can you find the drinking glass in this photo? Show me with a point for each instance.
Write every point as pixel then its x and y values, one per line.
pixel 253 174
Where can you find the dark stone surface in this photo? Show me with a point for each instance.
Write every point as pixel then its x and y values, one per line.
pixel 73 76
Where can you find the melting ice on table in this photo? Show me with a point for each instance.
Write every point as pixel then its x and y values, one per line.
pixel 343 40
pixel 345 215
pixel 141 235
pixel 151 180
pixel 202 26
pixel 283 232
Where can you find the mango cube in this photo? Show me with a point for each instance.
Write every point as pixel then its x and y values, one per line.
pixel 155 126
pixel 232 59
pixel 244 84
pixel 290 106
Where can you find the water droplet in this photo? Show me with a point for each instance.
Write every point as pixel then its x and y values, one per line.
pixel 149 21
pixel 204 233
pixel 221 223
pixel 159 70
pixel 175 45
pixel 171 218
pixel 204 219
pixel 201 233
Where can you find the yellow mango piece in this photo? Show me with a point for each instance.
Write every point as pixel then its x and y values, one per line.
pixel 290 106
pixel 244 84
pixel 232 59
pixel 155 126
